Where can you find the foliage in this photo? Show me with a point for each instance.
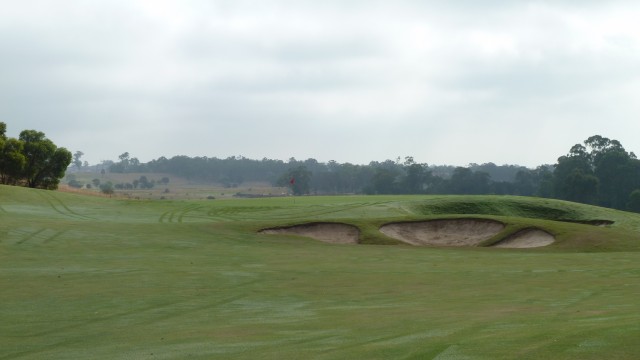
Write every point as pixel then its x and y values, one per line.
pixel 31 160
pixel 107 188
pixel 144 183
pixel 298 179
pixel 634 201
pixel 77 161
pixel 599 172
pixel 73 182
pixel 12 161
pixel 126 164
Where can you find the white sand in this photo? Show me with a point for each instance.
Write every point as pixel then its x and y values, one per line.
pixel 449 232
pixel 528 238
pixel 334 233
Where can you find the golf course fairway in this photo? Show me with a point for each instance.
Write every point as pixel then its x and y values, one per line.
pixel 97 278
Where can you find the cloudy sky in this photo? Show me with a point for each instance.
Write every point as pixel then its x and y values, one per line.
pixel 447 82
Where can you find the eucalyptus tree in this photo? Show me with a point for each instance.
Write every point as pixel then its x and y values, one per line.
pixel 31 160
pixel 12 161
pixel 600 172
pixel 45 162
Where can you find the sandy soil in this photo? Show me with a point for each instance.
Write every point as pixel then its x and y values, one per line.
pixel 334 233
pixel 528 238
pixel 451 232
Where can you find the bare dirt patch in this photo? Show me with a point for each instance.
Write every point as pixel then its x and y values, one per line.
pixel 446 232
pixel 335 233
pixel 528 238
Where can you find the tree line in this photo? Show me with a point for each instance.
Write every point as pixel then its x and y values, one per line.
pixel 324 178
pixel 31 160
pixel 599 171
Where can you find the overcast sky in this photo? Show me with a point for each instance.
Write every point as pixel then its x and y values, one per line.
pixel 447 82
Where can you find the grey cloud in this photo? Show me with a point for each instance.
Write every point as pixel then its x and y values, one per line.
pixel 321 79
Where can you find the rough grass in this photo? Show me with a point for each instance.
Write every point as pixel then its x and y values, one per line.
pixel 87 277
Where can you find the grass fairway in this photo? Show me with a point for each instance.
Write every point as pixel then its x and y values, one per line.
pixel 96 278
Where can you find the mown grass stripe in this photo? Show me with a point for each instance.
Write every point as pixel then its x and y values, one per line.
pixel 30 236
pixel 65 207
pixel 54 236
pixel 60 208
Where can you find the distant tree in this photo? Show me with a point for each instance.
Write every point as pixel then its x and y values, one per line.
pixel 122 166
pixel 581 187
pixel 107 188
pixel 571 169
pixel 416 176
pixel 384 181
pixel 76 159
pixel 502 188
pixel 506 173
pixel 144 183
pixel 96 182
pixel 634 201
pixel 75 184
pixel 599 172
pixel 298 178
pixel 124 157
pixel 545 181
pixel 618 171
pixel 466 181
pixel 136 182
pixel 525 183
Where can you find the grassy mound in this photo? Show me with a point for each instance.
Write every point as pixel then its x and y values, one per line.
pixel 533 208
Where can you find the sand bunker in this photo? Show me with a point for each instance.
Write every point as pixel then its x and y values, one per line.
pixel 528 238
pixel 334 233
pixel 449 232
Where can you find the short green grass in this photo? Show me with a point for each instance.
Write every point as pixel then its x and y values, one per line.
pixel 97 278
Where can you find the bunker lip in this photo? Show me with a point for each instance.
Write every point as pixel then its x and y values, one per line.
pixel 444 232
pixel 592 222
pixel 526 238
pixel 329 232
